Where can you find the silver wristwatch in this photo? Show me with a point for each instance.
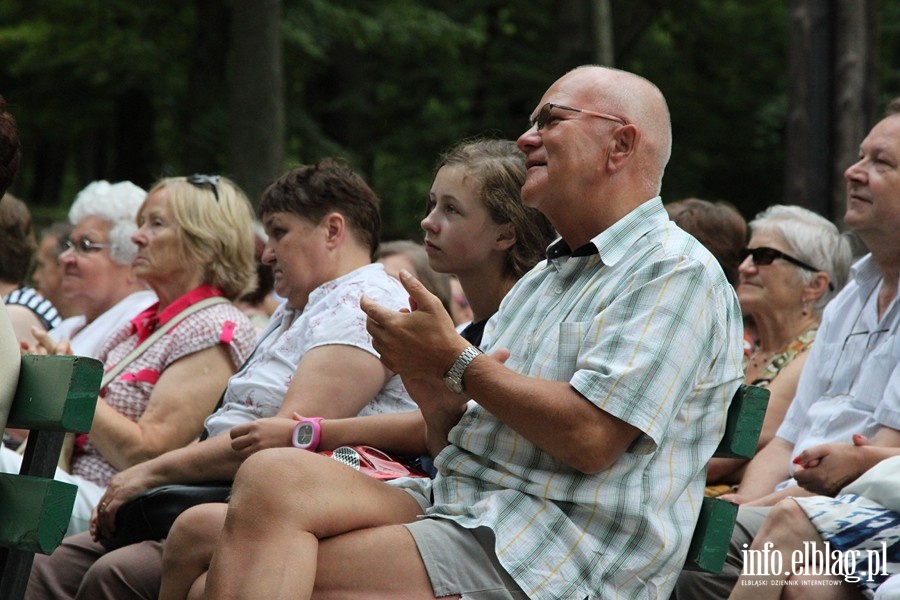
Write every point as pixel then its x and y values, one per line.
pixel 453 377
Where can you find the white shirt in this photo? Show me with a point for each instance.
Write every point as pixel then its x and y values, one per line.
pixel 851 380
pixel 331 316
pixel 87 340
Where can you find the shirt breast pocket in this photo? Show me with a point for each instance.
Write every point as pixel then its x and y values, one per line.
pixel 875 371
pixel 829 373
pixel 571 340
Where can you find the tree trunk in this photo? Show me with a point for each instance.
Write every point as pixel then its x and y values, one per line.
pixel 256 135
pixel 574 26
pixel 135 159
pixel 49 168
pixel 603 34
pixel 810 123
pixel 833 66
pixel 856 89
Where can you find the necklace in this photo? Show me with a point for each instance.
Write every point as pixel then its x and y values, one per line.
pixel 760 362
pixel 759 358
pixel 766 365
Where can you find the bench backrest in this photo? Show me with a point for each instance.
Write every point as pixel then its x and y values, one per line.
pixel 55 395
pixel 709 544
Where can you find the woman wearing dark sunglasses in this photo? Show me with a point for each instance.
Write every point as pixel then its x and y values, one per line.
pixel 96 268
pixel 795 262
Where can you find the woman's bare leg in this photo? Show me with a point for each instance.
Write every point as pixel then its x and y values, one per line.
pixel 189 548
pixel 784 530
pixel 386 566
pixel 284 501
pixel 198 590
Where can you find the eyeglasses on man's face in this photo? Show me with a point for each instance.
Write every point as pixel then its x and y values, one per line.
pixel 766 256
pixel 544 115
pixel 85 246
pixel 200 181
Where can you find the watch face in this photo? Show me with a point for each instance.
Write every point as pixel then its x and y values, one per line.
pixel 304 435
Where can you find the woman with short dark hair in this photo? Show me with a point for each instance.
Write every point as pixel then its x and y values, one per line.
pixel 314 358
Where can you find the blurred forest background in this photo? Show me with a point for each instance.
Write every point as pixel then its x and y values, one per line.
pixel 117 89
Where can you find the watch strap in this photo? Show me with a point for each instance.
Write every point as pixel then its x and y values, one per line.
pixel 454 376
pixel 316 435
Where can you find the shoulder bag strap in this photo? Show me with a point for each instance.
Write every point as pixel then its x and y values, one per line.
pixel 142 347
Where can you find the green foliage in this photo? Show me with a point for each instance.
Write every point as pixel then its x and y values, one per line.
pixel 117 88
pixel 890 50
pixel 723 71
pixel 389 85
pixel 70 57
pixel 71 70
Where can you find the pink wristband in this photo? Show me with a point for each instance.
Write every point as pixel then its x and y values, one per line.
pixel 307 434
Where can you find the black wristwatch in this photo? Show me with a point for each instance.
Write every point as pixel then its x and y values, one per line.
pixel 453 377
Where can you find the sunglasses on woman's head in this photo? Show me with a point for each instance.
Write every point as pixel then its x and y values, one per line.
pixel 205 180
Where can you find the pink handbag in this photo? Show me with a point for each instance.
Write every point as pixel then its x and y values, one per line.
pixel 373 462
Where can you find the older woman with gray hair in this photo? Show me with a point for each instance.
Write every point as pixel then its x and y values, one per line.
pixel 795 262
pixel 96 266
pixel 166 366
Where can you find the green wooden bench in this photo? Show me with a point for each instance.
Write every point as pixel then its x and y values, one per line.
pixel 709 544
pixel 55 395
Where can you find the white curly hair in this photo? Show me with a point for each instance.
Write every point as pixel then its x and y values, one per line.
pixel 118 204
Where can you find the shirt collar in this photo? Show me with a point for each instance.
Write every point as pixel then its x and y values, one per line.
pixel 868 276
pixel 614 242
pixel 560 249
pixel 865 273
pixel 149 320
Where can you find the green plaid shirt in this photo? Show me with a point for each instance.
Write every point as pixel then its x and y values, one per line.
pixel 648 330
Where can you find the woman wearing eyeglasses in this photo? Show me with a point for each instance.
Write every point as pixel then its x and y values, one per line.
pixel 795 262
pixel 194 249
pixel 315 357
pixel 96 274
pixel 96 268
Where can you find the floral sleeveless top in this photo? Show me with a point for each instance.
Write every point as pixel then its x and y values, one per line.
pixel 783 359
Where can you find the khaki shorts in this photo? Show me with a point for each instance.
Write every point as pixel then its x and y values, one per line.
pixel 461 562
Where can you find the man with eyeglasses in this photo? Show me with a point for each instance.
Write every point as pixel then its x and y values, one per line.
pixel 850 385
pixel 580 471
